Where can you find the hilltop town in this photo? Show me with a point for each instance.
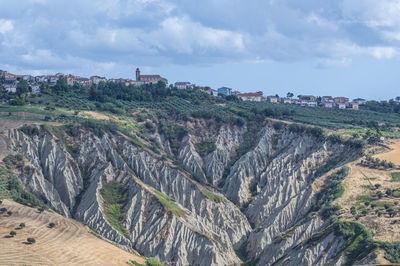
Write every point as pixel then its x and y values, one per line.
pixel 9 82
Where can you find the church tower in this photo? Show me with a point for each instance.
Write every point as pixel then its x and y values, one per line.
pixel 137 74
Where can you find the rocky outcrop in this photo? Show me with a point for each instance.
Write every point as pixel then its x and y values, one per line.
pixel 261 209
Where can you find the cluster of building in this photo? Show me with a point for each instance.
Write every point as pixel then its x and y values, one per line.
pixel 10 83
pixel 303 100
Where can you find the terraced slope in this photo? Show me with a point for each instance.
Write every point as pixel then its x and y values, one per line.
pixel 68 243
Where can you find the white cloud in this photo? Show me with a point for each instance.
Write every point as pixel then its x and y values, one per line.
pixel 183 35
pixel 6 25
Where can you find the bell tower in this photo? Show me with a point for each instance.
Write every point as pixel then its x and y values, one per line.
pixel 137 74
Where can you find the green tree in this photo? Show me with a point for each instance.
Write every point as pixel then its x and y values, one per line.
pixel 51 225
pixel 13 233
pixel 22 88
pixel 289 95
pixel 22 225
pixel 31 240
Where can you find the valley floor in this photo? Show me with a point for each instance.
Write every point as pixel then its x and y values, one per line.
pixel 360 201
pixel 68 243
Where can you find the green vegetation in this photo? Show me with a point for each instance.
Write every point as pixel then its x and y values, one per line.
pixel 150 262
pixel 359 242
pixel 13 233
pixel 31 240
pixel 52 225
pixel 11 187
pixel 332 190
pixel 395 177
pixel 115 197
pixel 14 161
pixel 22 225
pixel 174 133
pixel 206 147
pixel 153 262
pixel 392 251
pixel 212 196
pixel 167 203
pixel 30 130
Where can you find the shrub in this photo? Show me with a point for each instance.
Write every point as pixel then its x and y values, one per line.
pixel 3 210
pixel 22 225
pixel 41 209
pixel 115 196
pixel 167 203
pixel 353 210
pixel 30 130
pixel 13 233
pixel 278 125
pixel 51 225
pixel 150 126
pixel 9 213
pixel 153 262
pixel 205 147
pixel 31 240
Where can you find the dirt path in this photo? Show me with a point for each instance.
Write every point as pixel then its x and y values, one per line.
pixel 68 243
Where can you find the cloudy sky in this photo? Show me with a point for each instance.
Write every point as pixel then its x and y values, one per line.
pixel 338 47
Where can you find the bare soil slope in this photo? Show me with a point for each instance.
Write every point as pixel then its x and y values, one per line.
pixel 393 155
pixel 68 243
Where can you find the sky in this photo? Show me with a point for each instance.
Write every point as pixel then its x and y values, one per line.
pixel 337 47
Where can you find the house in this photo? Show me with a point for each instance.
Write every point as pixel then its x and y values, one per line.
pixel 41 79
pixel 96 79
pixel 328 104
pixel 307 97
pixel 28 78
pixel 353 105
pixel 10 78
pixel 286 100
pixel 225 91
pixel 71 80
pixel 251 96
pixel 272 99
pixel 10 87
pixel 327 99
pixel 152 79
pixel 307 103
pixel 341 105
pixel 85 82
pixel 360 101
pixel 338 100
pixel 212 92
pixel 182 85
pixel 35 89
pixel 52 79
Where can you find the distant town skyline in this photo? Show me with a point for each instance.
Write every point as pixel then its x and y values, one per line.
pixel 344 48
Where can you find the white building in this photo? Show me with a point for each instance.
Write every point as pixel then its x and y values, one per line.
pixel 183 85
pixel 96 79
pixel 10 87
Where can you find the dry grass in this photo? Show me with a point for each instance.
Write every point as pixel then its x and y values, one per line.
pixel 96 115
pixel 68 243
pixel 393 155
pixel 357 187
